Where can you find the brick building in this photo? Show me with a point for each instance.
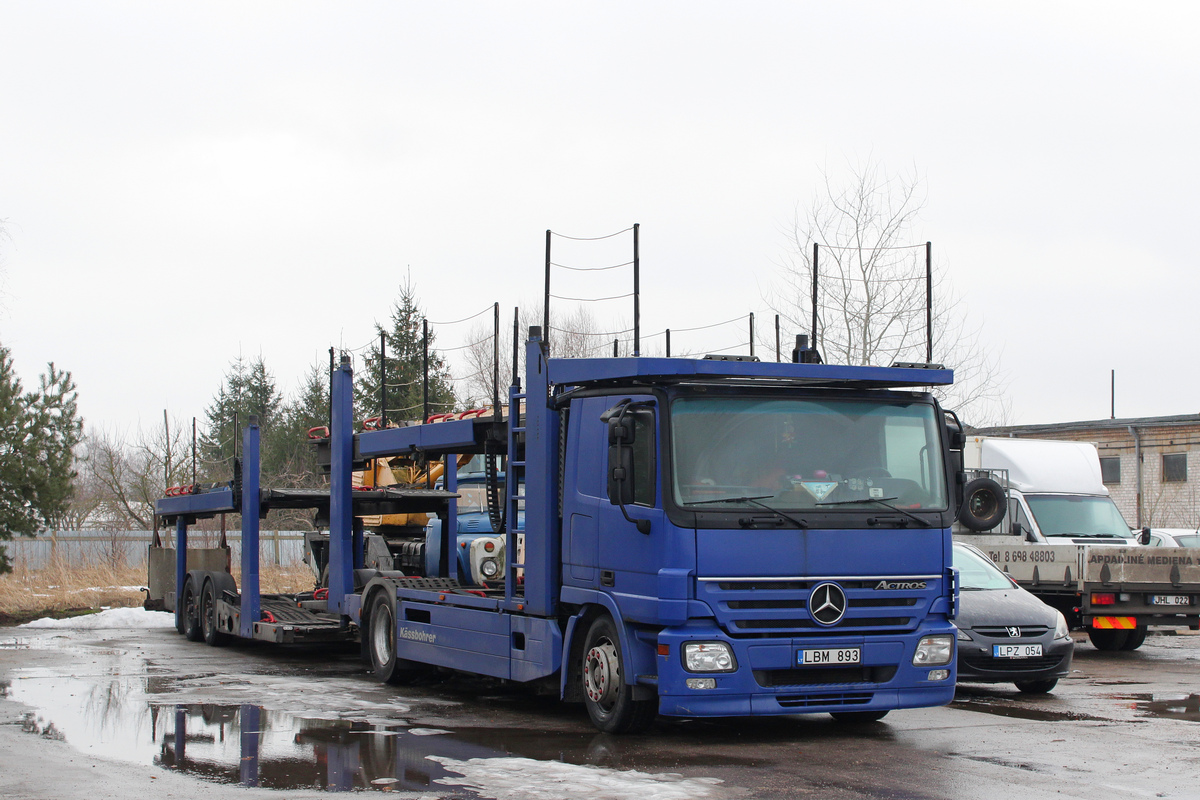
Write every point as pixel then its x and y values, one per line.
pixel 1151 465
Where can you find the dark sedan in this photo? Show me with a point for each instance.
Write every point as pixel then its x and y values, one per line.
pixel 1004 632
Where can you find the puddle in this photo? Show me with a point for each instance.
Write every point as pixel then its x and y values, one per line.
pixel 126 717
pixel 1148 705
pixel 1007 709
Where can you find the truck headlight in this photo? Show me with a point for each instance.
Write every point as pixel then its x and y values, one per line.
pixel 1061 629
pixel 489 568
pixel 708 657
pixel 933 651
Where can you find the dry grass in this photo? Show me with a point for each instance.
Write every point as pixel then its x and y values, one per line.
pixel 63 590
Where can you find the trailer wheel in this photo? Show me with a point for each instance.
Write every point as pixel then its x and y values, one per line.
pixel 381 645
pixel 858 717
pixel 1036 687
pixel 212 634
pixel 607 694
pixel 1108 639
pixel 190 612
pixel 1136 637
pixel 983 505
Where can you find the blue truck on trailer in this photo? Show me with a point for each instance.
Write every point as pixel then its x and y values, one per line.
pixel 696 537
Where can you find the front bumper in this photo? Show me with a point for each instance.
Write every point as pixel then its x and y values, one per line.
pixel 769 681
pixel 976 664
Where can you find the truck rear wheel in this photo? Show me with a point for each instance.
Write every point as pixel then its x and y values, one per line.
pixel 210 631
pixel 380 644
pixel 607 693
pixel 1136 637
pixel 189 612
pixel 1108 639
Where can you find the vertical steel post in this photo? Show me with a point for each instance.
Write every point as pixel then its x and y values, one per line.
pixel 814 295
pixel 616 351
pixel 546 299
pixel 1112 394
pixel 668 342
pixel 425 370
pixel 637 294
pixel 929 302
pixel 382 380
pixel 752 334
pixel 330 376
pixel 357 543
pixel 251 606
pixel 496 361
pixel 194 454
pixel 181 537
pixel 543 542
pixel 516 344
pixel 777 350
pixel 341 443
pixel 450 540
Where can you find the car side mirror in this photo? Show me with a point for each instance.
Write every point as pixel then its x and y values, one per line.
pixel 1144 536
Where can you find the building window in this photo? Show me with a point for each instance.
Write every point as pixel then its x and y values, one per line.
pixel 1174 467
pixel 1110 469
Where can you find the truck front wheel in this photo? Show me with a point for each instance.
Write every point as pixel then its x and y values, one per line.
pixel 607 693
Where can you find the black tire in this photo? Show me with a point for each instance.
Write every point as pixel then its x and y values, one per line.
pixel 1136 637
pixel 1108 639
pixel 983 505
pixel 211 633
pixel 1037 687
pixel 607 694
pixel 858 717
pixel 380 644
pixel 190 613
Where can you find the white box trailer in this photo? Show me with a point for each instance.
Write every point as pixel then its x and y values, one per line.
pixel 1064 539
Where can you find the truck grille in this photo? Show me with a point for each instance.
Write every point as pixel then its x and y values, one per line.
pixel 823 676
pixel 811 700
pixel 767 608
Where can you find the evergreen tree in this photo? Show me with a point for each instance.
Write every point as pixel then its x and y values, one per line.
pixel 403 367
pixel 309 409
pixel 39 432
pixel 249 389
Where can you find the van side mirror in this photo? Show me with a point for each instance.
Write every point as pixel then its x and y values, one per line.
pixel 1144 536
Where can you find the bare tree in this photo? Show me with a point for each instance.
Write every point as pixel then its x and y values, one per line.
pixel 871 305
pixel 123 476
pixel 574 333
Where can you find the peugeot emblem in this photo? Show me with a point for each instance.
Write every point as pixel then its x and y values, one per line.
pixel 1014 632
pixel 827 604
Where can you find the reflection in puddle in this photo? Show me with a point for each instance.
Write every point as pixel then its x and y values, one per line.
pixel 1184 708
pixel 125 717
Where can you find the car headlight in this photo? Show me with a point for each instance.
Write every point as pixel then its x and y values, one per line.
pixel 933 651
pixel 963 636
pixel 1061 629
pixel 708 657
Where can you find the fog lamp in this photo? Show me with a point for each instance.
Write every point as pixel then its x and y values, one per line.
pixel 939 674
pixel 702 683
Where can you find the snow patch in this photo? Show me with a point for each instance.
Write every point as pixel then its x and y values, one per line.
pixel 526 779
pixel 112 618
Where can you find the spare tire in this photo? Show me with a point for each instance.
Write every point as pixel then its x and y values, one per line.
pixel 983 505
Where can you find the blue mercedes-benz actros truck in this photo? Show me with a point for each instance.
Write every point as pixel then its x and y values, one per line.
pixel 689 537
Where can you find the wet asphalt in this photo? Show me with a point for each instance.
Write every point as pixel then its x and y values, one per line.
pixel 92 714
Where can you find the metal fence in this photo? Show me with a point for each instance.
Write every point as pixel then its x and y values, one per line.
pixel 128 548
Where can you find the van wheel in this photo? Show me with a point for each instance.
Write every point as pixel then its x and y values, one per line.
pixel 1037 687
pixel 209 629
pixel 607 693
pixel 1108 639
pixel 380 645
pixel 190 613
pixel 1136 637
pixel 858 717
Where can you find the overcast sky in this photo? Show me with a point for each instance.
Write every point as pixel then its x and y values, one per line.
pixel 184 182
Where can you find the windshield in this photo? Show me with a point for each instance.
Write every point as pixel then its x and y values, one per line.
pixel 806 454
pixel 1078 515
pixel 978 572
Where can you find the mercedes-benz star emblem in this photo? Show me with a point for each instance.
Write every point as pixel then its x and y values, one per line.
pixel 827 604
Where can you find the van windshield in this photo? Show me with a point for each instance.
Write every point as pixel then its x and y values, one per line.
pixel 806 454
pixel 1078 515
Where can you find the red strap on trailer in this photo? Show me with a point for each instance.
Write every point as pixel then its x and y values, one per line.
pixel 267 616
pixel 372 423
pixel 319 432
pixel 321 594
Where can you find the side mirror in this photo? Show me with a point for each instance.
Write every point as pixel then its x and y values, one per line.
pixel 623 468
pixel 1019 530
pixel 1144 536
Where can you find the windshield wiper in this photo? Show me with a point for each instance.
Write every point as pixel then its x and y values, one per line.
pixel 754 500
pixel 883 501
